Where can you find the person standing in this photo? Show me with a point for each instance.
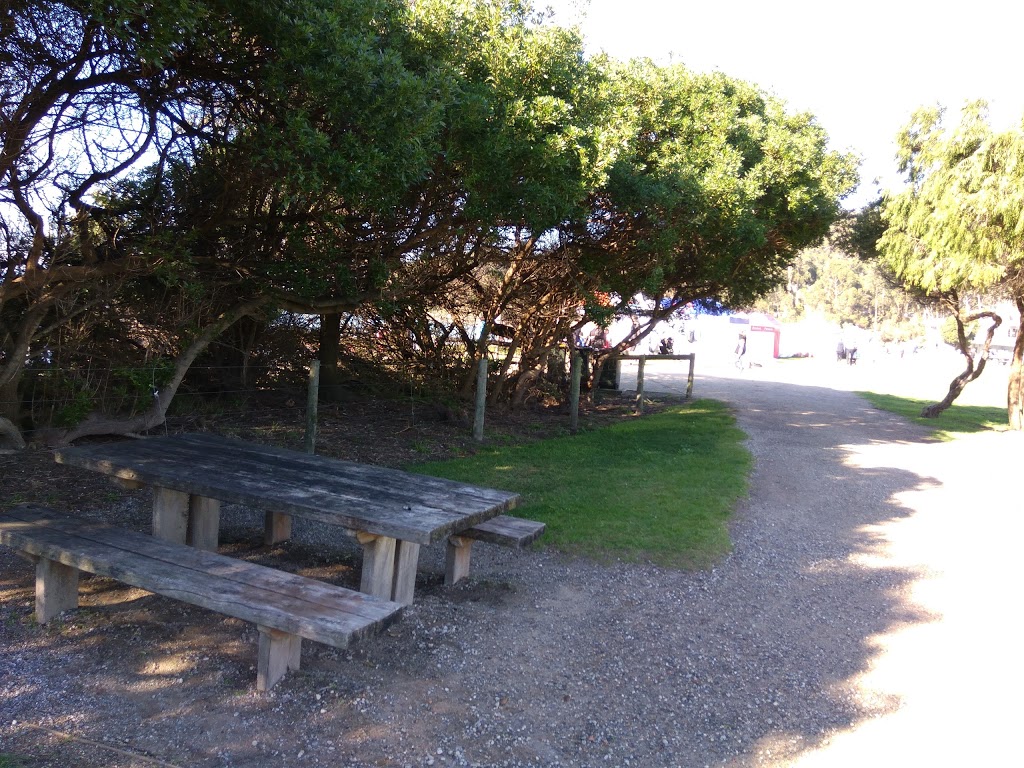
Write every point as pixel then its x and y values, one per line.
pixel 741 350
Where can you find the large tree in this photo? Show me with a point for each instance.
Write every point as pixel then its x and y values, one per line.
pixel 318 94
pixel 703 190
pixel 958 225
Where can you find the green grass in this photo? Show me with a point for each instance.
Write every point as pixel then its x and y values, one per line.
pixel 957 419
pixel 10 761
pixel 659 488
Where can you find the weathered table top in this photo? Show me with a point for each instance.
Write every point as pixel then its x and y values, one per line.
pixel 378 500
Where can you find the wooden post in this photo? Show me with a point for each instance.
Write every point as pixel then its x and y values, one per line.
pixel 640 384
pixel 203 523
pixel 575 372
pixel 277 527
pixel 170 515
pixel 56 589
pixel 278 652
pixel 457 556
pixel 481 400
pixel 689 378
pixel 407 555
pixel 312 398
pixel 378 576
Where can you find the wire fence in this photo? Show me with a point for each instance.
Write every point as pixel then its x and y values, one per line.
pixel 60 396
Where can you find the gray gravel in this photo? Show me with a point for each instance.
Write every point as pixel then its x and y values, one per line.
pixel 813 643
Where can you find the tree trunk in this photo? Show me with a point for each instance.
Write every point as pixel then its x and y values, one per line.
pixel 1015 391
pixel 956 387
pixel 502 378
pixel 10 403
pixel 10 434
pixel 330 353
pixel 10 413
pixel 157 413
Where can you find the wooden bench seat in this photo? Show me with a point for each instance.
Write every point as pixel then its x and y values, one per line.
pixel 504 530
pixel 285 607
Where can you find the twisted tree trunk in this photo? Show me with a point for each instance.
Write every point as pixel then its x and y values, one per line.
pixel 156 414
pixel 956 387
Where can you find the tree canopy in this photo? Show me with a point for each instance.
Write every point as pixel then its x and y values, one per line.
pixel 958 226
pixel 172 167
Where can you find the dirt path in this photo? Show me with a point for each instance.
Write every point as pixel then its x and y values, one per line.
pixel 919 543
pixel 867 617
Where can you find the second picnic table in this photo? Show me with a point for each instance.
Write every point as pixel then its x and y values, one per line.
pixel 391 512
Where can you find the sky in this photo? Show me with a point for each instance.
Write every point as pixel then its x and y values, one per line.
pixel 861 68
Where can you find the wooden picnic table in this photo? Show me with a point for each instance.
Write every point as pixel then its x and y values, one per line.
pixel 391 513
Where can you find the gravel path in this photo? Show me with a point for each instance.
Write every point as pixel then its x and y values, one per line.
pixel 864 617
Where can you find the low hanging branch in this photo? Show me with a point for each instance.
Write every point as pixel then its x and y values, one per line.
pixel 956 387
pixel 156 414
pixel 10 434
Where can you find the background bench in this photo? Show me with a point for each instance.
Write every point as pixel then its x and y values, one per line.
pixel 504 530
pixel 285 607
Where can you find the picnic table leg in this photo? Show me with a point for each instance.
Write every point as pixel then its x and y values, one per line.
pixel 277 528
pixel 378 575
pixel 56 589
pixel 457 559
pixel 170 515
pixel 203 523
pixel 406 559
pixel 278 652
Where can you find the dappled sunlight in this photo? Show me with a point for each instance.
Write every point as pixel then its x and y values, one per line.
pixel 948 665
pixel 916 564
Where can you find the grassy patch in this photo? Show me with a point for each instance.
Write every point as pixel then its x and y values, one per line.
pixel 957 419
pixel 659 488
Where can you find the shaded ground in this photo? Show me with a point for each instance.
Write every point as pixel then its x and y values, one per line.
pixel 392 433
pixel 862 618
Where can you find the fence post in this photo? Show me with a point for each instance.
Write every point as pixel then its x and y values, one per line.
pixel 312 398
pixel 689 378
pixel 481 400
pixel 575 373
pixel 640 384
pixel 595 380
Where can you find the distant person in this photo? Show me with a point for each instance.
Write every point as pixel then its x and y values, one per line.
pixel 741 350
pixel 840 351
pixel 851 355
pixel 665 347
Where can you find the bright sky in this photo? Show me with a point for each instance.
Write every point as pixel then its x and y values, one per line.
pixel 861 68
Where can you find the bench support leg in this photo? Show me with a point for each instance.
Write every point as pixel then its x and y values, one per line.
pixel 278 652
pixel 56 589
pixel 277 528
pixel 457 559
pixel 406 559
pixel 170 515
pixel 378 575
pixel 203 523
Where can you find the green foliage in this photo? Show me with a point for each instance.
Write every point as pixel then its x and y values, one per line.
pixel 949 331
pixel 668 484
pixel 957 226
pixel 462 156
pixel 828 281
pixel 520 133
pixel 712 186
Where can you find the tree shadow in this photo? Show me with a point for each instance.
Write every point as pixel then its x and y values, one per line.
pixel 539 658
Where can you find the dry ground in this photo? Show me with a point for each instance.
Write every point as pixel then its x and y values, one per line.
pixel 137 680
